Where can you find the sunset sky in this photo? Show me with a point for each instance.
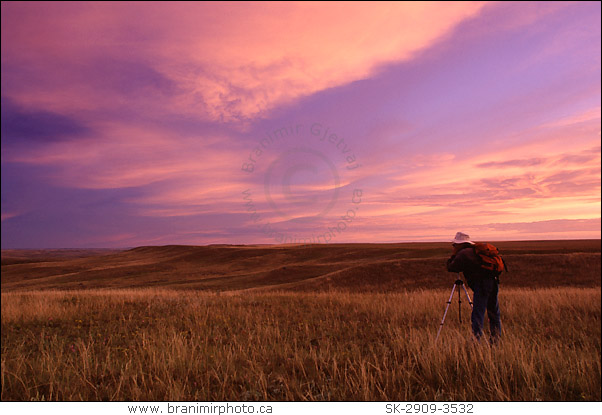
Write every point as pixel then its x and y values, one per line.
pixel 128 124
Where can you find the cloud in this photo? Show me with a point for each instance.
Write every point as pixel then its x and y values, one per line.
pixel 128 77
pixel 260 57
pixel 6 216
pixel 591 114
pixel 548 226
pixel 512 163
pixel 22 124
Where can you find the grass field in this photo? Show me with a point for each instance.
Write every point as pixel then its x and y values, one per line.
pixel 312 338
pixel 174 345
pixel 343 267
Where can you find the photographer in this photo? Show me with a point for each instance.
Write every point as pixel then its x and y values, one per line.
pixel 483 283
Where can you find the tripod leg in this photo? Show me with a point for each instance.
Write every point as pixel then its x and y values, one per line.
pixel 468 296
pixel 445 313
pixel 459 306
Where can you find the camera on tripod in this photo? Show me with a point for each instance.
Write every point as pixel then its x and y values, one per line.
pixel 457 283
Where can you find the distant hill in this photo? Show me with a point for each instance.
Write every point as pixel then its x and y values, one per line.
pixel 348 267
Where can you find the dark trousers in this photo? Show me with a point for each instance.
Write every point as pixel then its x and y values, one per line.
pixel 485 299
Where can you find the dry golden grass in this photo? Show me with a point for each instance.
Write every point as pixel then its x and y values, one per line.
pixel 159 344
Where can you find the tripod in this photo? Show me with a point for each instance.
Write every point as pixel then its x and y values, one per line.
pixel 458 283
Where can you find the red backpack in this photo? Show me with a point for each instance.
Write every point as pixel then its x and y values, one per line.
pixel 490 258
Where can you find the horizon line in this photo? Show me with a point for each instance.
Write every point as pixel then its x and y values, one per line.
pixel 298 244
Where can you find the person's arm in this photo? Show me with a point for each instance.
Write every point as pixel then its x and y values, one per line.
pixel 458 262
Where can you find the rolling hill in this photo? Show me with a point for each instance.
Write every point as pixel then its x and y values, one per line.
pixel 347 267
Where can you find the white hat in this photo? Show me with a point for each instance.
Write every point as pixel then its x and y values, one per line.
pixel 462 238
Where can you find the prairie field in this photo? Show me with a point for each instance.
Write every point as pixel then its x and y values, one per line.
pixel 161 344
pixel 313 338
pixel 341 267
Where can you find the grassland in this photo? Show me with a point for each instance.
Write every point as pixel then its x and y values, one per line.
pixel 311 338
pixel 175 345
pixel 341 267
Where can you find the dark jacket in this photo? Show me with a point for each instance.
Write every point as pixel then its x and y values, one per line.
pixel 467 262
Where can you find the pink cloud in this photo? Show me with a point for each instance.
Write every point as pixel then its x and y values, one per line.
pixel 230 68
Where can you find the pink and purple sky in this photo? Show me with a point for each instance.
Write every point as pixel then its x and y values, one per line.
pixel 127 124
